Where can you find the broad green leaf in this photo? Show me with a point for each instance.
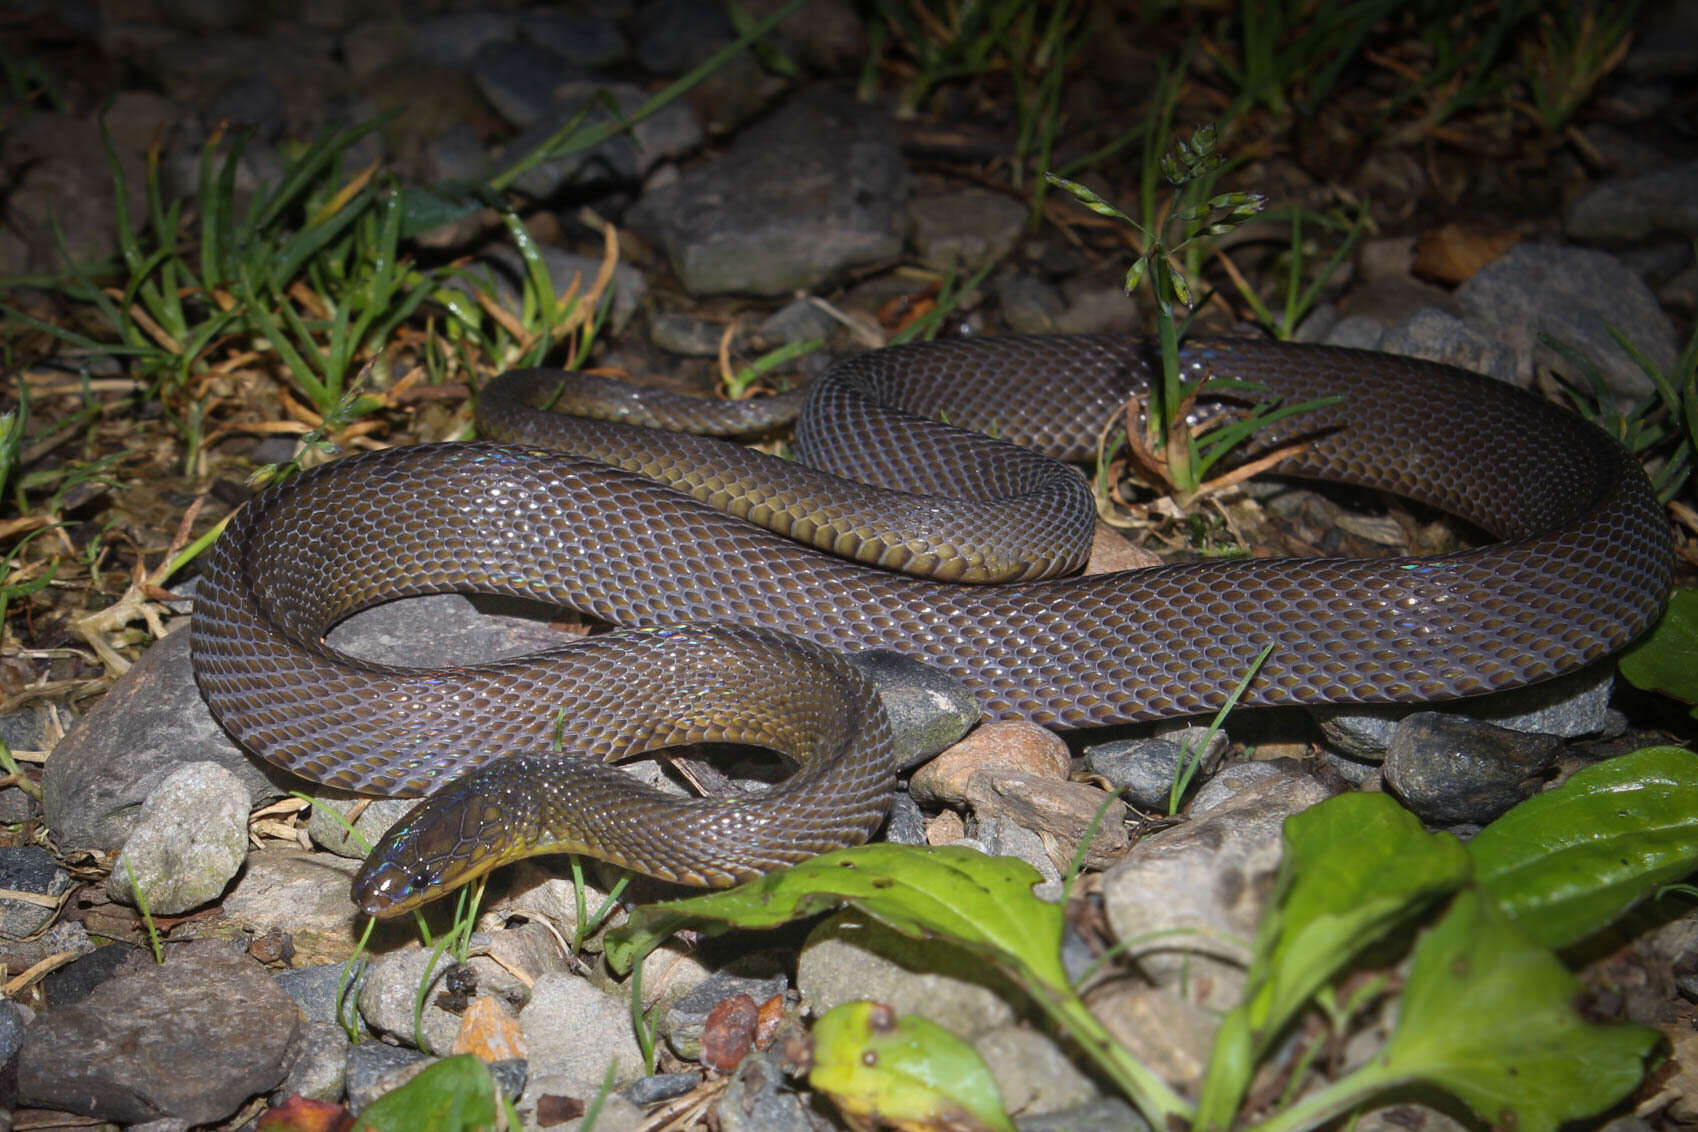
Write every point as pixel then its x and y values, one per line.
pixel 1354 867
pixel 454 1095
pixel 984 904
pixel 905 1071
pixel 1487 1015
pixel 1567 863
pixel 1666 660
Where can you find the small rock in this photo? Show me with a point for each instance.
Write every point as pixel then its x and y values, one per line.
pixel 757 977
pixel 1061 812
pixel 1108 1115
pixel 659 1087
pixel 811 190
pixel 305 894
pixel 928 708
pixel 1144 770
pixel 1000 837
pixel 688 337
pixel 11 1029
pixel 192 1038
pixel 945 829
pixel 321 1071
pixel 574 1031
pixel 31 869
pixel 760 1099
pixel 729 1033
pixel 391 988
pixel 375 1068
pixel 1188 892
pixel 966 230
pixel 78 979
pixel 1569 706
pixel 1032 1073
pixel 848 958
pixel 1006 745
pixel 190 840
pixel 1577 295
pixel 1173 1037
pixel 799 320
pixel 581 39
pixel 1451 770
pixel 489 1030
pixel 328 992
pixel 1626 210
pixel 906 825
pixel 1030 305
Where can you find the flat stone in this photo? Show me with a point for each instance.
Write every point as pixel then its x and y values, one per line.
pixel 190 1039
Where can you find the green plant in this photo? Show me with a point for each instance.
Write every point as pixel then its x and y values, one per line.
pixel 1484 1012
pixel 146 915
pixel 1662 428
pixel 1577 46
pixel 1290 53
pixel 1665 660
pixel 1302 288
pixel 1169 448
pixel 1192 755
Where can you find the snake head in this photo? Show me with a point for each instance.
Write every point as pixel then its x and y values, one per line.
pixel 454 836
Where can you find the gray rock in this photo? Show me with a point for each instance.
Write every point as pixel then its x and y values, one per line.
pixel 928 708
pixel 321 989
pixel 248 100
pixel 28 868
pixel 11 1029
pixel 391 989
pixel 906 824
pixel 190 840
pixel 1576 295
pixel 453 39
pixel 1625 210
pixel 191 1039
pixel 966 230
pixel 675 35
pixel 77 979
pixel 758 976
pixel 1001 837
pixel 1108 1115
pixel 799 197
pixel 1440 336
pixel 305 894
pixel 1569 706
pixel 152 721
pixel 659 1087
pixel 689 337
pixel 758 1098
pixel 573 1031
pixel 1144 770
pixel 848 958
pixel 1032 1072
pixel 1030 305
pixel 1450 770
pixel 328 825
pixel 581 39
pixel 1188 899
pixel 623 158
pixel 799 320
pixel 519 79
pixel 374 1068
pixel 321 1071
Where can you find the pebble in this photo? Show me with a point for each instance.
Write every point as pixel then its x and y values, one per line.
pixel 1144 770
pixel 574 1031
pixel 1062 811
pixel 1206 880
pixel 30 869
pixel 1032 1072
pixel 928 708
pixel 848 958
pixel 1451 770
pixel 190 840
pixel 191 1039
pixel 1011 745
pixel 756 977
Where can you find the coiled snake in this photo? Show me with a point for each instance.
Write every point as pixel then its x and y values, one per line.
pixel 717 604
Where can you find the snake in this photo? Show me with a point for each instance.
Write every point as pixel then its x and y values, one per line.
pixel 735 582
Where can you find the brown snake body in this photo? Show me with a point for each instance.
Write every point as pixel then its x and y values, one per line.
pixel 1582 567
